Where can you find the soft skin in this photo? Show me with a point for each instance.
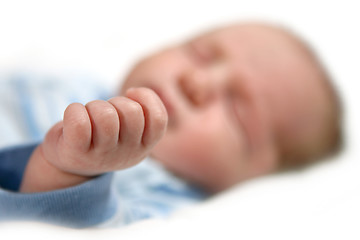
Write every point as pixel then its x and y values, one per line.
pixel 100 137
pixel 230 97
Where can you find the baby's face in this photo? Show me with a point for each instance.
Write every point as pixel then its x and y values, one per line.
pixel 229 94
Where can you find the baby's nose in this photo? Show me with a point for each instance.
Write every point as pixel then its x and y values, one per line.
pixel 203 84
pixel 196 86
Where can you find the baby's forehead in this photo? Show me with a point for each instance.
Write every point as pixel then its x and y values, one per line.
pixel 248 33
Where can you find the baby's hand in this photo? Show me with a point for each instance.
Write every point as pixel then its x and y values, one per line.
pixel 106 135
pixel 99 137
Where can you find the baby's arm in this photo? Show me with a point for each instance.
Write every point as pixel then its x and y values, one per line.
pixel 100 137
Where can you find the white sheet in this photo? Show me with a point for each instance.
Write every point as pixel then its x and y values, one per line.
pixel 106 37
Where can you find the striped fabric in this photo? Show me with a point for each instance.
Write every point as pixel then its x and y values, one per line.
pixel 31 103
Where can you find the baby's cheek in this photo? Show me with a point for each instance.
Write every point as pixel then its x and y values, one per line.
pixel 180 152
pixel 199 151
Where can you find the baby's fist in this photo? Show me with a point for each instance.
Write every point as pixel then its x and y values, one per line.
pixel 155 114
pixel 108 135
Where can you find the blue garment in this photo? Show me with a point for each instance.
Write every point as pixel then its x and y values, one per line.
pixel 84 205
pixel 112 199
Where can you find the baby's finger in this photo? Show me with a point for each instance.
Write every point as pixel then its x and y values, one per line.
pixel 77 127
pixel 104 124
pixel 131 120
pixel 154 111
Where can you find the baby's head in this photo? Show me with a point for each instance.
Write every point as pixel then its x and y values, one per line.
pixel 242 101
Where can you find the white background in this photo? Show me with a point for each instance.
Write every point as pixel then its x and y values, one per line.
pixel 105 38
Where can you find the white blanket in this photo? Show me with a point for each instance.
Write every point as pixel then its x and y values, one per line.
pixel 106 37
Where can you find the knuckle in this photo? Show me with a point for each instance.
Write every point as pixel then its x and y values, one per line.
pixel 141 92
pixel 73 116
pixel 116 100
pixel 93 104
pixel 99 109
pixel 72 107
pixel 147 92
pixel 79 122
pixel 160 119
pixel 126 106
pixel 76 125
pixel 108 112
pixel 134 108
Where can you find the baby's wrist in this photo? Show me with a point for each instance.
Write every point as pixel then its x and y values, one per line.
pixel 41 176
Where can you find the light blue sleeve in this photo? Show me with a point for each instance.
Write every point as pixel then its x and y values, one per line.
pixel 29 105
pixel 84 205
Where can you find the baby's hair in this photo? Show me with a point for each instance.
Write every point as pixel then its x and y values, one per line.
pixel 328 140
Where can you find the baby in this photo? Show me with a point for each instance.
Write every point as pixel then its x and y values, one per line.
pixel 233 104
